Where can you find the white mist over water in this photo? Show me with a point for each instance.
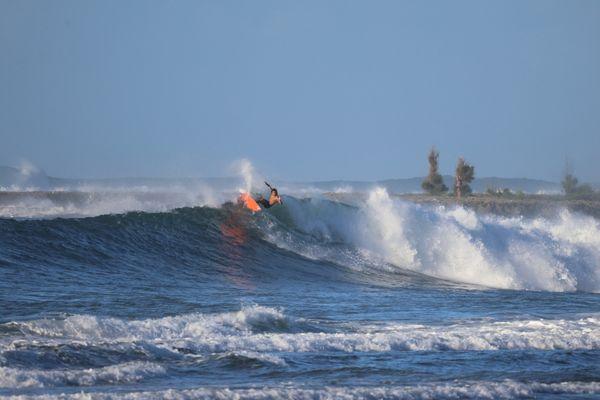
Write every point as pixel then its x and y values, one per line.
pixel 93 201
pixel 25 177
pixel 31 196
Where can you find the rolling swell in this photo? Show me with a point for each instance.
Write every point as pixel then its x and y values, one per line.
pixel 156 255
pixel 370 241
pixel 201 242
pixel 121 241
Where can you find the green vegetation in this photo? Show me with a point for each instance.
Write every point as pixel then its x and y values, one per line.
pixel 505 193
pixel 572 188
pixel 465 173
pixel 497 202
pixel 434 183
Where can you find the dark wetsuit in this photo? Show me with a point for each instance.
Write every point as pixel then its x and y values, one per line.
pixel 264 202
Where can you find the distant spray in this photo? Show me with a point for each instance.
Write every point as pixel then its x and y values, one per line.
pixel 29 178
pixel 26 168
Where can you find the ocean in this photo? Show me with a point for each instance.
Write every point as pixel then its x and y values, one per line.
pixel 143 296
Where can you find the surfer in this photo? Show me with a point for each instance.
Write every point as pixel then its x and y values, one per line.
pixel 274 198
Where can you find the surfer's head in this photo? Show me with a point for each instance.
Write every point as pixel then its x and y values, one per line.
pixel 274 192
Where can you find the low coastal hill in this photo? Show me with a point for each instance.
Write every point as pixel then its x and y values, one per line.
pixel 413 185
pixel 28 178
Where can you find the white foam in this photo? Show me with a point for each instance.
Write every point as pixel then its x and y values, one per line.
pixel 87 327
pixel 386 230
pixel 559 254
pixel 257 329
pixel 268 335
pixel 506 389
pixel 254 355
pixel 14 378
pixel 343 189
pixel 466 218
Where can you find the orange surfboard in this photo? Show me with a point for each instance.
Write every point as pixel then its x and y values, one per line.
pixel 247 201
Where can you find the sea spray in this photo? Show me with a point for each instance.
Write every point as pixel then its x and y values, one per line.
pixel 251 179
pixel 384 230
pixel 97 201
pixel 558 254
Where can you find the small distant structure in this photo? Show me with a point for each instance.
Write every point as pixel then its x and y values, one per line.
pixel 434 183
pixel 465 173
pixel 505 192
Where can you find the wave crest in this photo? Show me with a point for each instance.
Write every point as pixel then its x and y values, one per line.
pixel 456 244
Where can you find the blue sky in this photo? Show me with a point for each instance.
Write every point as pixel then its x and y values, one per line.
pixel 306 90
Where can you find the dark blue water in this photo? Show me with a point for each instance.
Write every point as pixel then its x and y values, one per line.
pixel 206 302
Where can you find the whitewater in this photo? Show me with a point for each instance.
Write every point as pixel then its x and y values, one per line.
pixel 179 294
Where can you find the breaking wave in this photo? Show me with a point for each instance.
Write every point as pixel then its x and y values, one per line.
pixel 376 235
pixel 456 244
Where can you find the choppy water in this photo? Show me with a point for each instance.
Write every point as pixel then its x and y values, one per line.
pixel 313 299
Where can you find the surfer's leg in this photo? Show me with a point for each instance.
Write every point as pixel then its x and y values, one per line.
pixel 263 202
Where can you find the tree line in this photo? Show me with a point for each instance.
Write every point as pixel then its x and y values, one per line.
pixel 463 176
pixel 465 173
pixel 573 188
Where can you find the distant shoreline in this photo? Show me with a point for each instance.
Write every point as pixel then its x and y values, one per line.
pixel 514 205
pixel 528 205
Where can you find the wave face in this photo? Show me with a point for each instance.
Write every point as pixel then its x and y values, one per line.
pixel 136 295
